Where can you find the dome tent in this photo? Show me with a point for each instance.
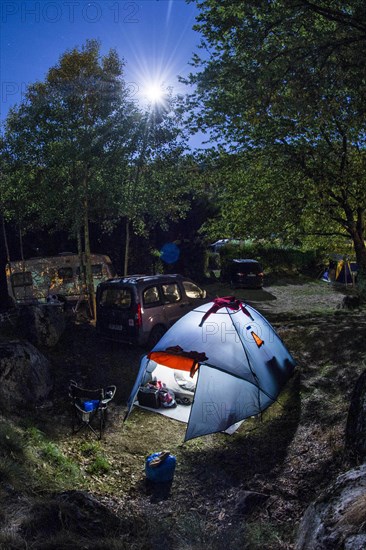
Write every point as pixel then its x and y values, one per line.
pixel 235 356
pixel 340 271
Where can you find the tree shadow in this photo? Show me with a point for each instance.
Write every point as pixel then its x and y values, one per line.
pixel 254 295
pixel 156 491
pixel 249 454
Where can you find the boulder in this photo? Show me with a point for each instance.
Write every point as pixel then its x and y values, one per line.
pixel 71 519
pixel 25 379
pixel 356 422
pixel 42 325
pixel 337 519
pixel 350 302
pixel 77 512
pixel 247 501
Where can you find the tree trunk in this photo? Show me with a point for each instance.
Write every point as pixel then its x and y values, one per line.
pixel 357 234
pixel 127 247
pixel 356 421
pixel 360 251
pixel 89 274
pixel 5 301
pixel 81 260
pixel 21 245
pixel 6 241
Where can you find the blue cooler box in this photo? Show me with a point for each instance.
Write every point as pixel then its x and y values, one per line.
pixel 163 472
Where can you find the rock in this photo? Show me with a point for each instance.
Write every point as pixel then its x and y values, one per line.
pixel 25 379
pixel 78 513
pixel 246 501
pixel 350 302
pixel 42 325
pixel 356 421
pixel 337 519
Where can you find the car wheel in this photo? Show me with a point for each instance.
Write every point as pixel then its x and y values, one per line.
pixel 155 335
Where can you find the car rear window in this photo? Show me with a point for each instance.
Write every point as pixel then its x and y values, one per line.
pixel 150 296
pixel 171 292
pixel 193 291
pixel 119 298
pixel 246 267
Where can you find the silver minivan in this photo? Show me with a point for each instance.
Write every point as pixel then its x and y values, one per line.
pixel 139 309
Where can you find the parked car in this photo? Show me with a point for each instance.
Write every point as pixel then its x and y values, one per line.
pixel 246 273
pixel 216 246
pixel 139 309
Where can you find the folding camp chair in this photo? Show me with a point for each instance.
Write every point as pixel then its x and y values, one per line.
pixel 89 406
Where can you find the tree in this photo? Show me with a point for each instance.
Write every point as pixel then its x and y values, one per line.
pixel 155 187
pixel 287 78
pixel 68 135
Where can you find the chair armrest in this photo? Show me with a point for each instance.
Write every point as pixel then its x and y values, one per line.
pixel 109 392
pixel 80 408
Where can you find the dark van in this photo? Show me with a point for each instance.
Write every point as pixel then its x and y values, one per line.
pixel 246 273
pixel 139 309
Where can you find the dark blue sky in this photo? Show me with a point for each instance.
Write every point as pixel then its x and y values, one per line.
pixel 155 38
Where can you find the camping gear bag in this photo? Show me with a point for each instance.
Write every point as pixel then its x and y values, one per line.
pixel 163 472
pixel 155 395
pixel 149 397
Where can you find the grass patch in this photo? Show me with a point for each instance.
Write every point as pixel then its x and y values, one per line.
pixel 28 456
pixel 13 470
pixel 99 465
pixel 11 440
pixel 259 535
pixel 93 459
pixel 52 469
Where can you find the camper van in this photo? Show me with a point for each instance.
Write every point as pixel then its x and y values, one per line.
pixel 39 279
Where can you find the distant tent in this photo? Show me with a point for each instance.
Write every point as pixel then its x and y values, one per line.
pixel 340 271
pixel 227 357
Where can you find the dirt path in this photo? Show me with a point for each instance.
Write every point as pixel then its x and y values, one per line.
pixel 310 298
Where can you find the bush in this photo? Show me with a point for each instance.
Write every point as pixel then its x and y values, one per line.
pixel 274 258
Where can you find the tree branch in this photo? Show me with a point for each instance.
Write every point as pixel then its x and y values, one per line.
pixel 335 15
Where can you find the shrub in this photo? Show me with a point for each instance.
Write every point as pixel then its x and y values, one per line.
pixel 274 258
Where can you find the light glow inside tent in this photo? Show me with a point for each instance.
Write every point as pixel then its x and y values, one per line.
pixel 229 355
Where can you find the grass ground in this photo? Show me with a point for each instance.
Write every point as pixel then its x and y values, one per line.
pixel 284 459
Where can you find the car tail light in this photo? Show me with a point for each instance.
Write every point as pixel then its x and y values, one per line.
pixel 138 316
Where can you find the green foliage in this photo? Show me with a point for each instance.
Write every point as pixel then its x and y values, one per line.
pixel 12 449
pixel 261 535
pixel 100 465
pixel 54 468
pixel 193 261
pixel 152 189
pixel 284 83
pixel 28 457
pixel 274 258
pixel 78 150
pixel 97 463
pixel 213 261
pixel 66 130
pixel 11 441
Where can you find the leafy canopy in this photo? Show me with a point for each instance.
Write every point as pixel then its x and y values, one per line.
pixel 286 79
